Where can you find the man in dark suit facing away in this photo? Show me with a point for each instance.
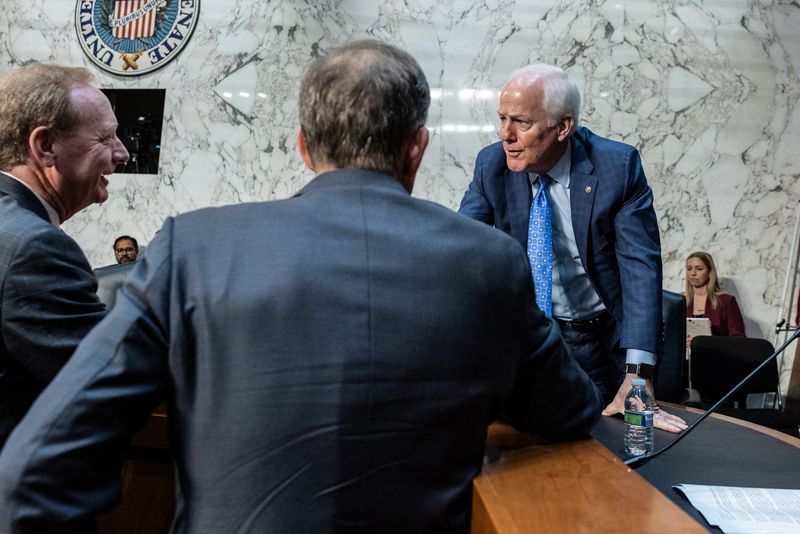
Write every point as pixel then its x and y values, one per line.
pixel 57 144
pixel 330 362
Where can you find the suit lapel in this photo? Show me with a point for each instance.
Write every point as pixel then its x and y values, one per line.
pixel 582 189
pixel 23 195
pixel 518 199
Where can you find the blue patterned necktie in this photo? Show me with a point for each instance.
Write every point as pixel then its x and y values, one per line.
pixel 540 246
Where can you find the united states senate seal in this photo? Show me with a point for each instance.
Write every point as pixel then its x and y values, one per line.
pixel 134 37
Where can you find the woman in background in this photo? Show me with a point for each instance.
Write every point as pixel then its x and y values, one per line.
pixel 705 299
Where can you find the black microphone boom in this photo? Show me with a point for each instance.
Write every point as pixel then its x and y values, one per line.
pixel 638 461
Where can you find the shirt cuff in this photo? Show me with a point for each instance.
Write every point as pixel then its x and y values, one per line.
pixel 640 356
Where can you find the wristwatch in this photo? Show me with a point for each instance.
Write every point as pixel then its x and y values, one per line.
pixel 644 370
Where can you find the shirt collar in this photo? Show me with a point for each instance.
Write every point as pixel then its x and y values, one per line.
pixel 560 171
pixel 51 213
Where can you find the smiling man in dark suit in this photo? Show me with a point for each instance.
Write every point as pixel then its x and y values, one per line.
pixel 57 144
pixel 330 361
pixel 581 207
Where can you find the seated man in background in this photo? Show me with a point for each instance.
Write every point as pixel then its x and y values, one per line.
pixel 126 249
pixel 111 277
pixel 57 144
pixel 330 362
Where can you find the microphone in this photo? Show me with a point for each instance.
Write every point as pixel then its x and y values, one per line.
pixel 638 461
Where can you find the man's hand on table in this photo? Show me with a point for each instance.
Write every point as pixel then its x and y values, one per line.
pixel 661 419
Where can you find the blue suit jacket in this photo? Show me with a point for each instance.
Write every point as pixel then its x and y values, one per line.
pixel 47 300
pixel 613 219
pixel 330 363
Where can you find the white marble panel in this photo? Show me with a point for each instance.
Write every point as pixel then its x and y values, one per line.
pixel 707 90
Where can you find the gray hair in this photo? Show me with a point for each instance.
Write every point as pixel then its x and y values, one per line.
pixel 561 95
pixel 32 96
pixel 360 104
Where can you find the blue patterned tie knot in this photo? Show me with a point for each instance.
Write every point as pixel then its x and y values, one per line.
pixel 540 246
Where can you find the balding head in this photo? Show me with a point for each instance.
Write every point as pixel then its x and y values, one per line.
pixel 360 105
pixel 559 95
pixel 538 111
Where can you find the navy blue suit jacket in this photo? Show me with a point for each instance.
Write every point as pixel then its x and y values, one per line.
pixel 613 218
pixel 330 363
pixel 47 300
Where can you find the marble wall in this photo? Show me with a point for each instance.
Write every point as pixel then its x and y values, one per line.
pixel 707 90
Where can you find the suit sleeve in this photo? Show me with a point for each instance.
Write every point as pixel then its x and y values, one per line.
pixel 474 204
pixel 638 251
pixel 49 302
pixel 61 465
pixel 551 396
pixel 734 318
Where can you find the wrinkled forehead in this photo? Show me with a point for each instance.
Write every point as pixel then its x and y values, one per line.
pixel 522 92
pixel 526 80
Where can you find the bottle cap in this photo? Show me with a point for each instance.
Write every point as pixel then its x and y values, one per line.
pixel 639 382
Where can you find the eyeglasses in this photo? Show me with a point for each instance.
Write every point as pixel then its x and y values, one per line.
pixel 125 250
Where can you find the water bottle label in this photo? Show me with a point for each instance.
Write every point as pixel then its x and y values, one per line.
pixel 643 419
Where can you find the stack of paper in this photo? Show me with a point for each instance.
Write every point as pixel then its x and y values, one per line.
pixel 746 510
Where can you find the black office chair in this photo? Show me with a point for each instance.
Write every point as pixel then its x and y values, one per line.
pixel 669 381
pixel 718 363
pixel 109 279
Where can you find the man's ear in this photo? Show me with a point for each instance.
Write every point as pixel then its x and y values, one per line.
pixel 40 146
pixel 302 147
pixel 412 157
pixel 564 127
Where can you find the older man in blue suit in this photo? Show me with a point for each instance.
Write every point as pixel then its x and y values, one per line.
pixel 581 206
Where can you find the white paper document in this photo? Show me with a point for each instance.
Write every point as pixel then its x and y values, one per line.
pixel 698 326
pixel 746 510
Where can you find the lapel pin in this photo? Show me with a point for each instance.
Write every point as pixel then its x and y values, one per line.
pixel 588 189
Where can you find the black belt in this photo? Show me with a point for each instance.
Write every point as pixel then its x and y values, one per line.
pixel 586 326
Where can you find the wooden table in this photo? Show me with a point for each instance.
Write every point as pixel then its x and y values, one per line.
pixel 531 485
pixel 148 484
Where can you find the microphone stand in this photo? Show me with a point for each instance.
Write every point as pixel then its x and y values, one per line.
pixel 638 461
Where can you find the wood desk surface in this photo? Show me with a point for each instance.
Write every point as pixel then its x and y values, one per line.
pixel 580 486
pixel 529 485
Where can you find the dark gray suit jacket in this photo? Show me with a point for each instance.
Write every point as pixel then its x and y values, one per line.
pixel 330 364
pixel 47 300
pixel 613 219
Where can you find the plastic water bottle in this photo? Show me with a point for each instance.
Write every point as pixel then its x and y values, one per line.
pixel 638 420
